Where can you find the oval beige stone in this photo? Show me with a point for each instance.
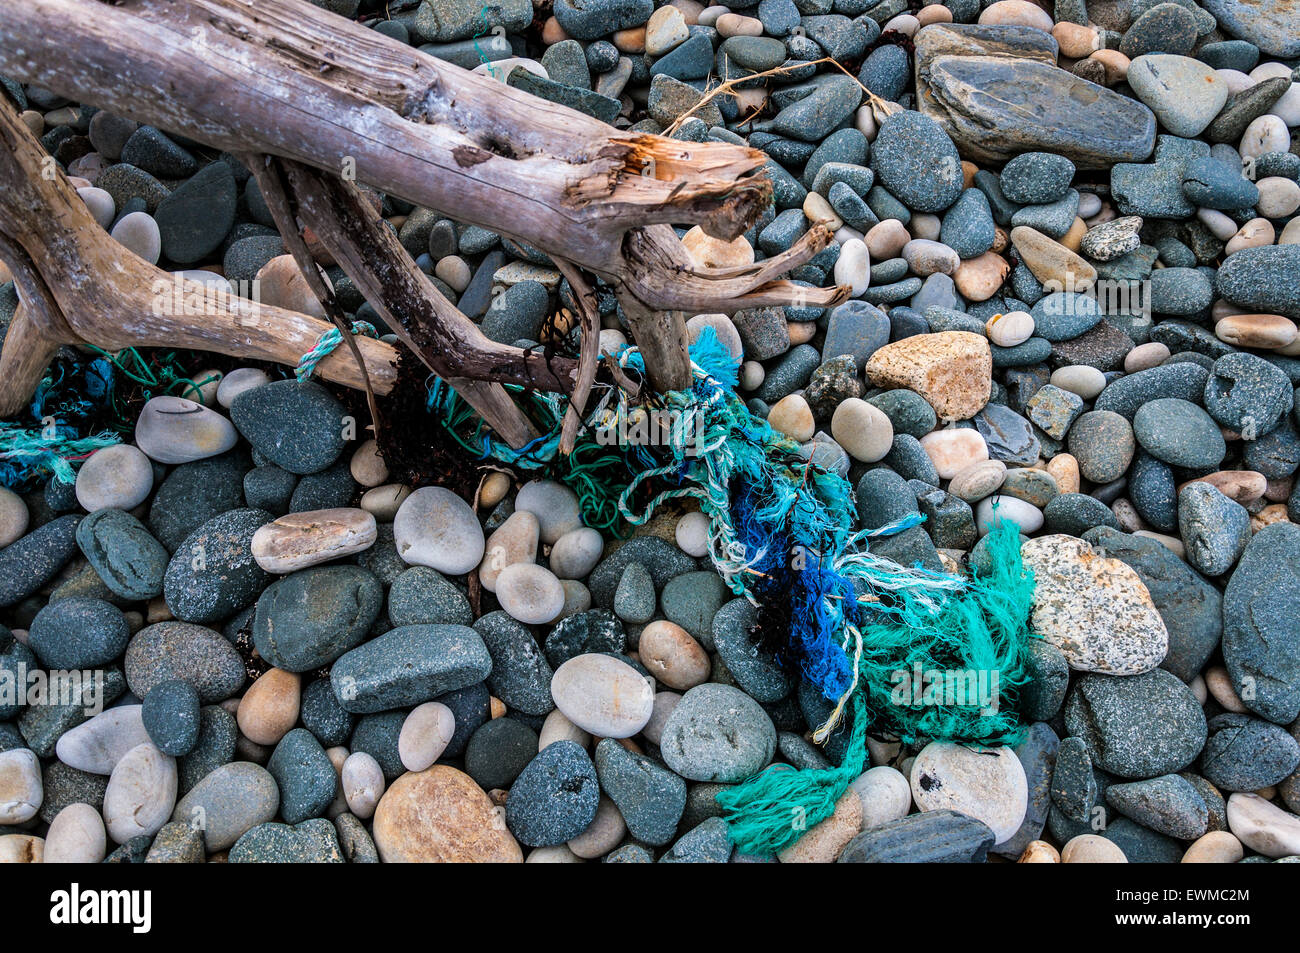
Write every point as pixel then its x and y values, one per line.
pixel 298 540
pixel 514 541
pixel 603 695
pixel 270 706
pixel 825 841
pixel 441 816
pixel 1216 847
pixel 672 656
pixel 1091 849
pixel 1264 331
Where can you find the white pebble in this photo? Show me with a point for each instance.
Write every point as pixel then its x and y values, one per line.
pixel 76 836
pixel 692 534
pixel 530 593
pixel 238 381
pixel 363 784
pixel 425 734
pixel 853 267
pixel 138 232
pixel 118 477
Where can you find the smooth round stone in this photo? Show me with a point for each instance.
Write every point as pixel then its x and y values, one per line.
pixel 441 815
pixel 499 751
pixel 21 789
pixel 691 535
pixel 557 727
pixel 176 430
pixel 1081 379
pixel 300 540
pixel 141 794
pixel 228 802
pixel 853 266
pixel 1278 197
pixel 672 656
pixel 1010 329
pixel 513 542
pixel 1184 93
pixel 554 505
pixel 13 517
pixel 305 776
pixel 555 797
pixel 603 696
pixel 100 205
pixel 792 416
pixel 383 502
pixel 436 528
pixel 425 734
pixel 1145 356
pixel 717 733
pixel 1016 13
pixel 1265 134
pixel 362 781
pixel 237 381
pixel 270 707
pixel 988 784
pixel 530 593
pixel 1178 433
pixel 978 480
pixel 1213 528
pixel 78 633
pixel 1027 517
pixel 170 715
pixel 172 649
pixel 954 450
pixel 76 836
pixel 1102 442
pixel 308 619
pixel 885 794
pixel 925 257
pixel 1215 847
pixel 1263 331
pixel 367 466
pixel 917 162
pixel 1262 826
pixel 1091 849
pixel 139 233
pixel 212 573
pixel 97 745
pixel 603 835
pixel 576 553
pixel 862 429
pixel 118 477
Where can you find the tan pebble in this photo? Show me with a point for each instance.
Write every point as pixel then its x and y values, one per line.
pixel 818 211
pixel 1017 12
pixel 886 239
pixel 968 168
pixel 1091 849
pixel 733 24
pixel 552 32
pixel 792 416
pixel 496 708
pixel 298 540
pixel 980 479
pixel 21 849
pixel 383 502
pixel 1171 543
pixel 934 13
pixel 1076 41
pixel 1279 491
pixel 1264 331
pixel 1216 847
pixel 1074 237
pixel 602 835
pixel 1243 486
pixel 495 487
pixel 367 466
pixel 1115 63
pixel 1127 516
pixel 1273 513
pixel 441 815
pixel 952 370
pixel 979 279
pixel 1064 468
pixel 672 656
pixel 1145 356
pixel 281 283
pixel 158 611
pixel 1051 262
pixel 1256 232
pixel 270 706
pixel 824 842
pixel 1219 684
pixel 1010 329
pixel 1039 852
pixel 801 332
pixel 630 41
pixel 425 734
pixel 514 541
pixel 952 451
pixel 709 252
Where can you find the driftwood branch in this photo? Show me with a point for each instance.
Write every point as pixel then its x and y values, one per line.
pixel 286 78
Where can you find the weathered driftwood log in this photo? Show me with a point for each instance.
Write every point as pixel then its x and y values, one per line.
pixel 286 78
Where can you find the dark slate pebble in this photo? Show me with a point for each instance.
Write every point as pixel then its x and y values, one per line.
pixel 1049 677
pixel 124 554
pixel 706 843
pixel 930 837
pixel 30 562
pixel 422 595
pixel 311 842
pixel 650 797
pixel 471 707
pixel 521 676
pixel 171 717
pixel 1168 805
pixel 1247 394
pixel 195 218
pixel 64 785
pixel 247 256
pixel 1136 726
pixel 1035 178
pixel 309 618
pixel 323 716
pixel 1076 513
pixel 1244 753
pixel 1179 433
pixel 555 798
pixel 78 633
pixel 329 489
pixel 916 161
pixel 304 774
pixel 212 574
pixel 755 669
pixel 149 149
pixel 1259 611
pixel 215 746
pixel 409 665
pixel 1214 529
pixel 172 649
pixel 1184 381
pixel 269 488
pixel 194 493
pixel 296 425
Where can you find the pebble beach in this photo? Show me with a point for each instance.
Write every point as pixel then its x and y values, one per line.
pixel 1070 232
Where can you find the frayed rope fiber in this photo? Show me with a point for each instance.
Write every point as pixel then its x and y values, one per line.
pixel 782 534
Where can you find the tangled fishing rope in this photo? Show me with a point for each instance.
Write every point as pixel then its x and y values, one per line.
pixel 325 345
pixel 782 534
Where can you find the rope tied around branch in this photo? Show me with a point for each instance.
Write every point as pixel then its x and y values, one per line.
pixel 325 345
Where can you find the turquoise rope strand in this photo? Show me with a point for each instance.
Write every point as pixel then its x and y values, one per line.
pixel 325 345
